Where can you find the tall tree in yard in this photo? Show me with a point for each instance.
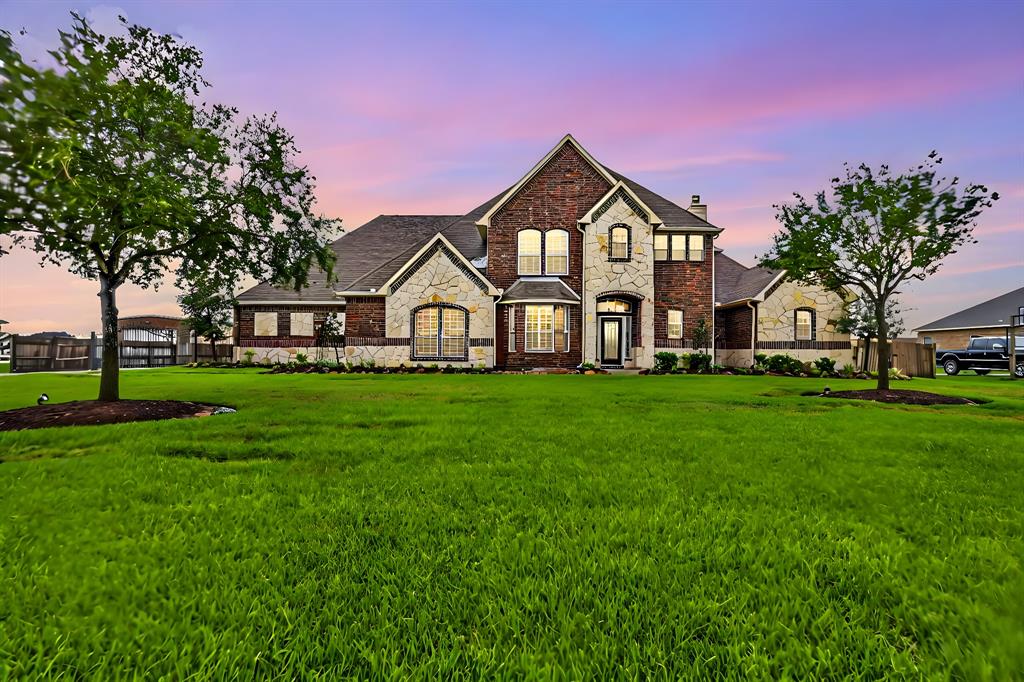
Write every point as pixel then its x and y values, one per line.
pixel 112 166
pixel 875 232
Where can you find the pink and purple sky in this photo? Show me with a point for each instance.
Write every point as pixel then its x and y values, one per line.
pixel 435 107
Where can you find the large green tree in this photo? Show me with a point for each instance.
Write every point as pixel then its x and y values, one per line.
pixel 208 311
pixel 112 165
pixel 874 232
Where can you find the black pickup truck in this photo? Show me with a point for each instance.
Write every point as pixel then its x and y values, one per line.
pixel 983 354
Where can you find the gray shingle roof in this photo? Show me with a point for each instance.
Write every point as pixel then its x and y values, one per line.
pixel 994 312
pixel 539 289
pixel 736 282
pixel 369 255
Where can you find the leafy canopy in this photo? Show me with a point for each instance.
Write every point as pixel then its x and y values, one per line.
pixel 111 166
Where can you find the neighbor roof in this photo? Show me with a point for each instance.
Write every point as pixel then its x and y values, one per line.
pixel 735 282
pixel 994 312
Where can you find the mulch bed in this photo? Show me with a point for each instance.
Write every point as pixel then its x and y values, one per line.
pixel 92 412
pixel 900 396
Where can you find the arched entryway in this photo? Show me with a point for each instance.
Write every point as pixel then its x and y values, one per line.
pixel 618 328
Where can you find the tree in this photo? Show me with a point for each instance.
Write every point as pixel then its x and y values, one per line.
pixel 331 334
pixel 876 232
pixel 702 335
pixel 112 166
pixel 859 320
pixel 208 312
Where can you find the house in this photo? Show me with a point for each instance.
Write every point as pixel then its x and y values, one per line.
pixel 573 263
pixel 990 318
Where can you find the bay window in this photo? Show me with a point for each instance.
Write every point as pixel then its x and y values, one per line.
pixel 547 328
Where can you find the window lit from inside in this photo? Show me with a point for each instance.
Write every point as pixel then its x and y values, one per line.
pixel 619 247
pixel 440 332
pixel 547 328
pixel 675 324
pixel 556 243
pixel 529 252
pixel 803 325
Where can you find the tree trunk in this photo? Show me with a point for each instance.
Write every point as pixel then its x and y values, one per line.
pixel 883 346
pixel 213 348
pixel 109 388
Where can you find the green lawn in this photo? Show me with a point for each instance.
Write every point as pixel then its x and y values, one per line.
pixel 505 526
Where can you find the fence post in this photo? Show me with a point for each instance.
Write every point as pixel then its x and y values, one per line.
pixel 93 364
pixel 14 353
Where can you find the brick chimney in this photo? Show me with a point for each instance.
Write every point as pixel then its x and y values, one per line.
pixel 698 209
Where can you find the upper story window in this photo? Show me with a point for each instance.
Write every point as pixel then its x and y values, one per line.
pixel 556 247
pixel 529 252
pixel 803 321
pixel 675 324
pixel 618 242
pixel 679 247
pixel 439 333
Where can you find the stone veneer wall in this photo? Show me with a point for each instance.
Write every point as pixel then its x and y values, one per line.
pixel 634 276
pixel 775 323
pixel 438 280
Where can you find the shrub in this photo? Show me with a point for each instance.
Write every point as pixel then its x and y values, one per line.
pixel 301 358
pixel 761 359
pixel 684 361
pixel 825 365
pixel 589 365
pixel 895 373
pixel 665 362
pixel 249 355
pixel 717 369
pixel 700 362
pixel 849 370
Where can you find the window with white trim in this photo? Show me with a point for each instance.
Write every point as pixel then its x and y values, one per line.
pixel 556 252
pixel 618 242
pixel 675 324
pixel 547 328
pixel 679 247
pixel 529 252
pixel 803 324
pixel 439 332
pixel 510 311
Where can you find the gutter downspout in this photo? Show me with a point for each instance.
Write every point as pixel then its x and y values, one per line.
pixel 753 332
pixel 583 295
pixel 714 351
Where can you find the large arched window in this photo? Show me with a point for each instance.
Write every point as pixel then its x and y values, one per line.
pixel 556 250
pixel 529 252
pixel 440 333
pixel 618 242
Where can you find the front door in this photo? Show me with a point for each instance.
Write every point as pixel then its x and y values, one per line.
pixel 611 341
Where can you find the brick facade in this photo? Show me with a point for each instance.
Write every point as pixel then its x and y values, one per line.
pixel 734 327
pixel 245 316
pixel 686 286
pixel 365 317
pixel 520 359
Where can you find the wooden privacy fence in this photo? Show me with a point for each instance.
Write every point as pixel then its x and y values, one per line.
pixel 56 354
pixel 914 359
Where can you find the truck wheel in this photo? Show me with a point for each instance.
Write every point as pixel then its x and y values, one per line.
pixel 982 372
pixel 1019 371
pixel 951 367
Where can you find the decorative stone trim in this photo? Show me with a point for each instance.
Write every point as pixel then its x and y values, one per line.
pixel 627 199
pixel 671 343
pixel 377 341
pixel 803 345
pixel 426 256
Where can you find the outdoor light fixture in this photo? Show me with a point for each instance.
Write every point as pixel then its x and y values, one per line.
pixel 42 399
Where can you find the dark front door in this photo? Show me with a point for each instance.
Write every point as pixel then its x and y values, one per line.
pixel 611 341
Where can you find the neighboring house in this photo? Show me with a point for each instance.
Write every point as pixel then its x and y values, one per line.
pixel 758 310
pixel 991 318
pixel 573 263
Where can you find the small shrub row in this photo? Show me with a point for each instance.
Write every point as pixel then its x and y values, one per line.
pixel 685 363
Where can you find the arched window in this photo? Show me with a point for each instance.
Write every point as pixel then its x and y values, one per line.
pixel 803 324
pixel 556 249
pixel 618 242
pixel 440 333
pixel 529 252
